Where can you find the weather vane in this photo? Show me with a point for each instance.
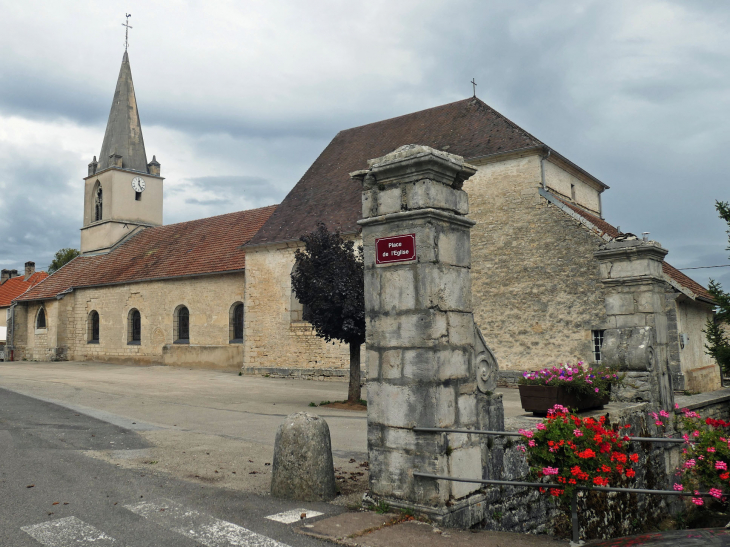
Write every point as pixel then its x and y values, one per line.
pixel 126 32
pixel 474 84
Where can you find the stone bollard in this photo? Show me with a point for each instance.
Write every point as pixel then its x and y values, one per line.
pixel 302 467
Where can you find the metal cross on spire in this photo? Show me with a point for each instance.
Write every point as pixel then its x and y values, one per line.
pixel 126 32
pixel 474 84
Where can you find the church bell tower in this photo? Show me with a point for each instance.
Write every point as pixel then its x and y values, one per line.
pixel 123 192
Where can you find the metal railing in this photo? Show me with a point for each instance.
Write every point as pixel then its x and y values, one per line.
pixel 544 485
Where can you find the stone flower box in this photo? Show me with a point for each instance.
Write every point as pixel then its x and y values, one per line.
pixel 539 399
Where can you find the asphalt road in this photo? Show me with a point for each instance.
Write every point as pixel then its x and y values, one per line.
pixel 52 494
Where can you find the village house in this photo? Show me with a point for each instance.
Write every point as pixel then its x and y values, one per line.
pixel 216 292
pixel 12 285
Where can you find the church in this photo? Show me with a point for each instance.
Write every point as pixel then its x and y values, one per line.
pixel 216 292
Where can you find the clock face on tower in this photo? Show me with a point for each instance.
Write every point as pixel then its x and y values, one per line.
pixel 138 184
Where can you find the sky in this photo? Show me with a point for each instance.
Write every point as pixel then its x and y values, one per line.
pixel 238 98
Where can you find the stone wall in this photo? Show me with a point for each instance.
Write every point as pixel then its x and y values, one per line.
pixel 535 282
pixel 700 371
pixel 272 339
pixel 208 299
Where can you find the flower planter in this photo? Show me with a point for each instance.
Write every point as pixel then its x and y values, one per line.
pixel 540 399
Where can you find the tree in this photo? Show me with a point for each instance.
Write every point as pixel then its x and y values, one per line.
pixel 718 344
pixel 328 279
pixel 62 257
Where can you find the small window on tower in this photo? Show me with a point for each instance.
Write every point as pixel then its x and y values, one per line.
pixel 138 196
pixel 597 344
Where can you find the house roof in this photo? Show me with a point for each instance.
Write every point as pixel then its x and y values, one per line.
pixel 15 286
pixel 670 271
pixel 123 134
pixel 469 128
pixel 198 247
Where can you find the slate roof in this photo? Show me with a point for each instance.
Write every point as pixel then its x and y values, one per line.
pixel 669 270
pixel 469 128
pixel 123 134
pixel 15 286
pixel 198 247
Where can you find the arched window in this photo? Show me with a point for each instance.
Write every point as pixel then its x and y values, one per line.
pixel 296 308
pixel 235 322
pixel 40 320
pixel 134 327
pixel 181 325
pixel 98 202
pixel 93 327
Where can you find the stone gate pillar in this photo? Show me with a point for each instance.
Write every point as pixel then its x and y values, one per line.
pixel 421 337
pixel 636 340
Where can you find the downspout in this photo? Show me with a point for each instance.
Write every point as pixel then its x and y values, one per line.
pixel 542 167
pixel 11 338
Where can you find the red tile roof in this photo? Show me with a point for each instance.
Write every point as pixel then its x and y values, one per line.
pixel 205 246
pixel 469 128
pixel 15 286
pixel 669 270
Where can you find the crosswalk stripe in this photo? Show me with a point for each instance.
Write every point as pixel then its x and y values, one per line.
pixel 66 532
pixel 295 515
pixel 209 531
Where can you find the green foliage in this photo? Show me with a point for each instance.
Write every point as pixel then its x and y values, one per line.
pixel 382 507
pixel 580 379
pixel 718 344
pixel 312 404
pixel 62 257
pixel 329 281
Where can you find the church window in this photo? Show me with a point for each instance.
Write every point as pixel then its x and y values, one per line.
pixel 181 325
pixel 93 327
pixel 134 328
pixel 296 308
pixel 138 196
pixel 40 320
pixel 98 202
pixel 597 344
pixel 235 328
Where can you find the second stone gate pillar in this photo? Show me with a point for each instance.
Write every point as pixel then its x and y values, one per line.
pixel 421 359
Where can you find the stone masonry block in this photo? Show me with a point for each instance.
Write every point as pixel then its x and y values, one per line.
pixel 430 194
pixel 461 329
pixel 397 289
pixel 465 463
pixel 432 365
pixel 635 320
pixel 454 247
pixel 391 363
pixel 389 201
pixel 447 288
pixel 649 302
pixel 467 405
pixel 373 364
pixel 372 290
pixel 410 406
pixel 620 304
pixel 424 329
pixel 368 200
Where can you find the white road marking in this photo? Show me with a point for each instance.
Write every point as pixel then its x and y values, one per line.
pixel 204 529
pixel 294 515
pixel 67 532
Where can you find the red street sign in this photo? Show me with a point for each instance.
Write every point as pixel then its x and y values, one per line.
pixel 395 249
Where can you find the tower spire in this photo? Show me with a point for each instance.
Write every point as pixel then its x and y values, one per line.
pixel 123 144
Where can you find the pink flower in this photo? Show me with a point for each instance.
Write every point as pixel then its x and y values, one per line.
pixel 695 433
pixel 577 433
pixel 716 493
pixel 698 501
pixel 678 487
pixel 658 422
pixel 531 443
pixel 526 432
pixel 685 437
pixel 521 448
pixel 676 405
pixel 664 414
pixel 690 463
pixel 550 470
pixel 596 390
pixel 541 426
pixel 721 465
pixel 710 448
